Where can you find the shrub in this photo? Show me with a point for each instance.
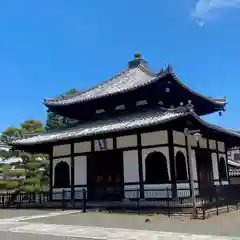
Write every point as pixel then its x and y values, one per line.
pixel 32 181
pixel 15 172
pixel 3 184
pixel 12 184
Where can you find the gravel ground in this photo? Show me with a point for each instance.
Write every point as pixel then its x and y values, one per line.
pixel 227 224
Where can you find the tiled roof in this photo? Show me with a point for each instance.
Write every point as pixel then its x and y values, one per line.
pixel 129 122
pixel 144 118
pixel 127 80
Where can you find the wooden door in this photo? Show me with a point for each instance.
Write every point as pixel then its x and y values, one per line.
pixel 205 171
pixel 105 176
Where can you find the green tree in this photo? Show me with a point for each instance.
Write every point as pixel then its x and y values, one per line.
pixel 11 132
pixel 36 174
pixel 57 122
pixel 32 127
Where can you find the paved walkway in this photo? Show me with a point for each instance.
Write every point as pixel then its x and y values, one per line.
pixel 23 228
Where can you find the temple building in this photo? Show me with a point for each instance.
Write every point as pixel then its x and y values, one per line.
pixel 139 130
pixel 234 165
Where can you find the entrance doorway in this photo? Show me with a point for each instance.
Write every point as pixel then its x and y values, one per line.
pixel 204 170
pixel 105 176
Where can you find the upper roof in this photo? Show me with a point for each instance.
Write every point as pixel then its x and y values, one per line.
pixel 137 75
pixel 117 124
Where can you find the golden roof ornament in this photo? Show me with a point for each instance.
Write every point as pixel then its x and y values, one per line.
pixel 137 55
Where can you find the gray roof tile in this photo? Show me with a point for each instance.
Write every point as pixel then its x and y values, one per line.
pixel 104 126
pixel 127 80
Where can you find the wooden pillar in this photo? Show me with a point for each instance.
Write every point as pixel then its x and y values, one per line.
pixel 72 172
pixel 172 162
pixel 188 163
pixel 51 174
pixel 218 162
pixel 227 167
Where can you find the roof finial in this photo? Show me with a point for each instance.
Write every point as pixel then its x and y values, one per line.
pixel 137 55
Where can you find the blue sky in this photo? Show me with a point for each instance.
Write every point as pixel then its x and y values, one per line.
pixel 48 47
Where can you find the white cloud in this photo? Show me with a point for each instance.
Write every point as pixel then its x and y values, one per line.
pixel 205 8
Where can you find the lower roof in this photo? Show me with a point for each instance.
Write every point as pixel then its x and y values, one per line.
pixel 132 121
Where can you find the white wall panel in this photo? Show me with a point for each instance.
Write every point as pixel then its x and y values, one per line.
pixel 154 138
pixel 80 170
pixel 212 144
pixel 130 166
pixel 192 141
pixel 215 166
pixel 221 146
pixel 82 147
pixel 61 150
pixel 127 141
pixel 203 143
pixel 179 138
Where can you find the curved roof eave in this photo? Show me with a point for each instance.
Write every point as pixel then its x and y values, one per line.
pixel 220 102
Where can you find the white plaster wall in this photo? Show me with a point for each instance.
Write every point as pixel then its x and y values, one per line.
pixel 58 160
pixel 127 141
pixel 203 143
pixel 147 151
pixel 192 141
pixel 182 150
pixel 212 144
pixel 130 166
pixel 179 138
pixel 221 146
pixel 80 170
pixel 109 144
pixel 154 138
pixel 215 167
pixel 131 173
pixel 61 150
pixel 82 147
